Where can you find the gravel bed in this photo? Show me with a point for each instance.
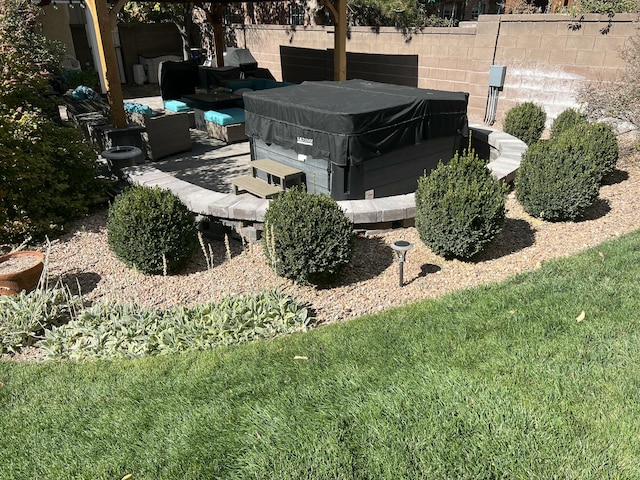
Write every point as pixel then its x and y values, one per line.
pixel 370 284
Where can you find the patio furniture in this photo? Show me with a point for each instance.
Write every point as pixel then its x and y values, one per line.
pixel 80 107
pixel 225 124
pixel 211 101
pixel 164 134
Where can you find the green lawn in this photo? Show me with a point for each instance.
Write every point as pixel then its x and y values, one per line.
pixel 496 382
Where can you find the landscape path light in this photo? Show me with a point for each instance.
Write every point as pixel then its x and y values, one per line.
pixel 401 248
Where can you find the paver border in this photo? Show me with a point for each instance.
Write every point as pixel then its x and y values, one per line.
pixel 506 153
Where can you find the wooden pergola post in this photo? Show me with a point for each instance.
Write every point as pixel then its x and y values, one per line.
pixel 216 17
pixel 102 25
pixel 338 11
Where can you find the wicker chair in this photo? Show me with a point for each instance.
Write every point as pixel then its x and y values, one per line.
pixel 165 134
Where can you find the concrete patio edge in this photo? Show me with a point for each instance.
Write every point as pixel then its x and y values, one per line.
pixel 247 208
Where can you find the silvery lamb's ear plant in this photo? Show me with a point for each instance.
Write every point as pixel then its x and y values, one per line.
pixel 26 316
pixel 117 330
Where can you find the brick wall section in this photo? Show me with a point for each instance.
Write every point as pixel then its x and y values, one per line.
pixel 548 57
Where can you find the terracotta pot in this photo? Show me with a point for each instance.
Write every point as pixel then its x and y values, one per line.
pixel 20 271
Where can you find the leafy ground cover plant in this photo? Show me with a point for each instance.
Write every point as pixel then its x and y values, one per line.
pixel 24 317
pixel 460 206
pixel 117 330
pixel 307 237
pixel 150 229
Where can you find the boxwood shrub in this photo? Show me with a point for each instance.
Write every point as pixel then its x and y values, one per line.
pixel 460 207
pixel 150 227
pixel 307 237
pixel 558 180
pixel 566 120
pixel 526 122
pixel 599 140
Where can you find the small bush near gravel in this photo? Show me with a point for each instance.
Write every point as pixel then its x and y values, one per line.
pixel 24 317
pixel 150 229
pixel 599 140
pixel 526 122
pixel 117 330
pixel 460 207
pixel 566 120
pixel 307 237
pixel 558 180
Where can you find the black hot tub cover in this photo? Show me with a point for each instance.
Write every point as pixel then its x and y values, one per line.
pixel 351 121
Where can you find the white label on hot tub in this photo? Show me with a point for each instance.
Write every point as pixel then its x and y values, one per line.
pixel 301 157
pixel 305 141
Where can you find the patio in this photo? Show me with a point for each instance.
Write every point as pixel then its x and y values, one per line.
pixel 201 177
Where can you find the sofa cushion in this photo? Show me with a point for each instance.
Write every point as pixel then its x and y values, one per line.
pixel 225 116
pixel 236 84
pixel 241 91
pixel 176 106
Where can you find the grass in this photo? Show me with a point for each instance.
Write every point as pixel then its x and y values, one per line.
pixel 502 381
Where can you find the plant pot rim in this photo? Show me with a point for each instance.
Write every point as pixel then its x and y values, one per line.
pixel 20 253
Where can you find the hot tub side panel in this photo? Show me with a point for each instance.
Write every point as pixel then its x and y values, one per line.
pixel 397 172
pixel 393 173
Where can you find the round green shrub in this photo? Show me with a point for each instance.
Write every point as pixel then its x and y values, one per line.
pixel 558 180
pixel 307 237
pixel 599 140
pixel 526 122
pixel 460 207
pixel 148 227
pixel 566 120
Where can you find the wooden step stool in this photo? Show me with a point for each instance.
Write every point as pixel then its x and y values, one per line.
pixel 279 177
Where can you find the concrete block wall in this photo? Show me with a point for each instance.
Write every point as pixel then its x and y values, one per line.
pixel 548 56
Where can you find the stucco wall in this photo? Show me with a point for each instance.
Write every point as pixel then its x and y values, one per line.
pixel 55 25
pixel 548 57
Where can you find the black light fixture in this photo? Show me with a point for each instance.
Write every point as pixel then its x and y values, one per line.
pixel 401 248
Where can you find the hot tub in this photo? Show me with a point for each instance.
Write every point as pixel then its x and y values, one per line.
pixel 356 139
